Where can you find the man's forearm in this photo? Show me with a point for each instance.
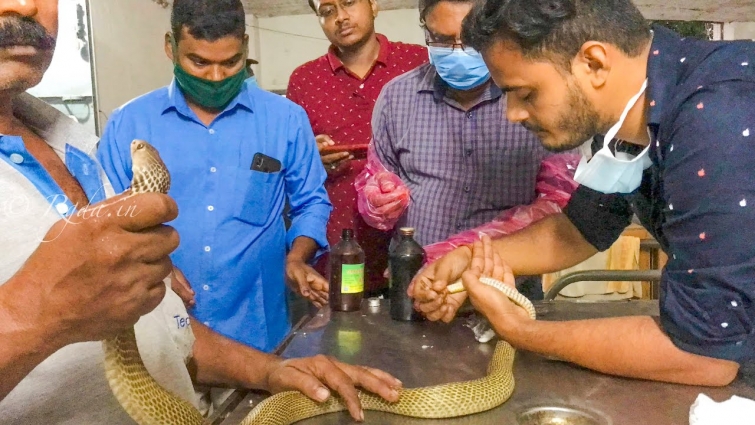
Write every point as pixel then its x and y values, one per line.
pixel 550 245
pixel 303 249
pixel 23 344
pixel 222 362
pixel 634 347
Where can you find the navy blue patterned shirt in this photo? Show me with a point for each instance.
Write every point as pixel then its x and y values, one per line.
pixel 698 198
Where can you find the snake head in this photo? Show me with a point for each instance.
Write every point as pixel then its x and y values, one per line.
pixel 140 148
pixel 149 170
pixel 143 154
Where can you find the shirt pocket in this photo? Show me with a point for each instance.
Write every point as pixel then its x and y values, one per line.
pixel 255 194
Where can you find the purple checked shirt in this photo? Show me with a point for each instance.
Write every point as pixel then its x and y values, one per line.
pixel 462 167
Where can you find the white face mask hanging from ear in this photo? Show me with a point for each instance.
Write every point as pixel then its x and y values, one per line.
pixel 621 173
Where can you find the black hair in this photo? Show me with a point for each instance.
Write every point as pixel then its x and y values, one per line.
pixel 556 29
pixel 208 20
pixel 426 6
pixel 312 5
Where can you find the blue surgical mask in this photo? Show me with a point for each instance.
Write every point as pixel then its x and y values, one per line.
pixel 460 69
pixel 607 172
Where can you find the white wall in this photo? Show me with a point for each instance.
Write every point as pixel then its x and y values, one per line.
pixel 67 84
pixel 129 54
pixel 69 74
pixel 289 41
pixel 129 57
pixel 128 51
pixel 739 30
pixel 252 23
pixel 286 42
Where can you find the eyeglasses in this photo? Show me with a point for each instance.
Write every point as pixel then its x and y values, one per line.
pixel 430 42
pixel 330 10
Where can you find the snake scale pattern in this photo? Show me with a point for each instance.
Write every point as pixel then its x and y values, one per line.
pixel 149 404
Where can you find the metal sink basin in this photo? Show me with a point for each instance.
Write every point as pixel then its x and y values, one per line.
pixel 554 415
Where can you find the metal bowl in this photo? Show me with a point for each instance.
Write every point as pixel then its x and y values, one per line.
pixel 553 415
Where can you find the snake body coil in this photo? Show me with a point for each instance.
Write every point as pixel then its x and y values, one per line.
pixel 150 404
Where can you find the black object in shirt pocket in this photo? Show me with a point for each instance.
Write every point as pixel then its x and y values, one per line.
pixel 265 164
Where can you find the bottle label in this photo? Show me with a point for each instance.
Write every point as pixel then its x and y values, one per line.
pixel 352 278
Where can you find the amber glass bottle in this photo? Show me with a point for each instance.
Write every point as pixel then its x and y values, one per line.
pixel 346 274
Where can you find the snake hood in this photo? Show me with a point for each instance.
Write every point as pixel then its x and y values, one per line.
pixel 150 172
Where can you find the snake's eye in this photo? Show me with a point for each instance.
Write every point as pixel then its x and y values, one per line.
pixel 140 146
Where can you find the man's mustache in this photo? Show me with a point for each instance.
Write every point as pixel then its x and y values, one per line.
pixel 24 31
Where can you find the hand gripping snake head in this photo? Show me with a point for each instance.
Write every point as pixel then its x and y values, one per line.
pixel 150 172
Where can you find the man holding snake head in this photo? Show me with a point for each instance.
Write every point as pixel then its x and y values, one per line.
pixel 678 120
pixel 72 274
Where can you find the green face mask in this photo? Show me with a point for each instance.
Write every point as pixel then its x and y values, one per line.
pixel 209 94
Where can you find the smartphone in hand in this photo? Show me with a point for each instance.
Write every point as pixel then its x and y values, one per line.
pixel 359 151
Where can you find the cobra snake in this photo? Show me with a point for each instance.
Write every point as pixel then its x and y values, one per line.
pixel 149 404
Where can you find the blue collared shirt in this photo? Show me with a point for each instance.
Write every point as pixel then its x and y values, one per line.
pixel 233 237
pixel 698 198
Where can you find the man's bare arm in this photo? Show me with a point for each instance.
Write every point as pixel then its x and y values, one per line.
pixel 551 244
pixel 634 347
pixel 222 362
pixel 24 342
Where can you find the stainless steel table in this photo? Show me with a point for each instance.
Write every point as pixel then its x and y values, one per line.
pixel 427 353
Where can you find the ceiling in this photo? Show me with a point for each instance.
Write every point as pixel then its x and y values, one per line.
pixel 688 10
pixel 267 8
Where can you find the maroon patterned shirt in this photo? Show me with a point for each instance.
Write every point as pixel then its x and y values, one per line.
pixel 339 104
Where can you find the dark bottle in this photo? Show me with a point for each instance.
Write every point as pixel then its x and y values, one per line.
pixel 346 274
pixel 405 259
